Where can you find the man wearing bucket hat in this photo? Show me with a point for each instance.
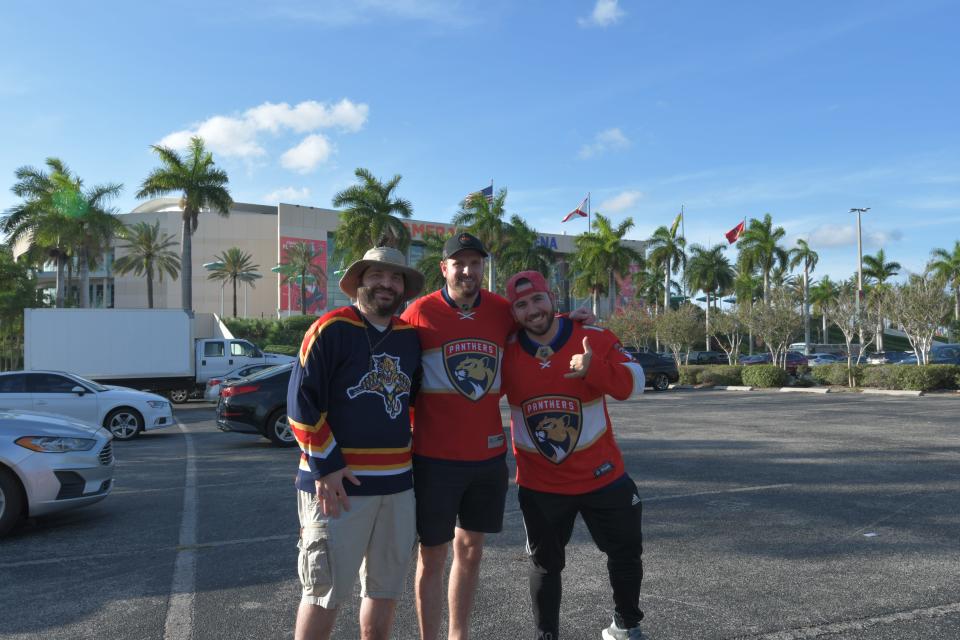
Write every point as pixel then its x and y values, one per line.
pixel 459 444
pixel 556 377
pixel 348 405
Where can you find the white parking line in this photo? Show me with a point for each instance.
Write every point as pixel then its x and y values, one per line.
pixel 179 622
pixel 858 625
pixel 710 493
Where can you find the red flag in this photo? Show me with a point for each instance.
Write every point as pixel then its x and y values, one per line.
pixel 579 211
pixel 734 234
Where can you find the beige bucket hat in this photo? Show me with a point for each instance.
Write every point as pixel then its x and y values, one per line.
pixel 384 256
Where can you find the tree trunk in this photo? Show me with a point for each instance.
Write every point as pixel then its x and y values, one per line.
pixel 149 287
pixel 823 334
pixel 60 292
pixel 186 264
pixel 84 268
pixel 234 297
pixel 766 288
pixel 666 286
pixel 492 275
pixel 707 322
pixel 303 293
pixel 595 303
pixel 806 309
pixel 612 292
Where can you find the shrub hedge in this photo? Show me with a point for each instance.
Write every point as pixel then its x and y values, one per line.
pixel 836 374
pixel 722 374
pixel 282 349
pixel 893 376
pixel 764 376
pixel 267 334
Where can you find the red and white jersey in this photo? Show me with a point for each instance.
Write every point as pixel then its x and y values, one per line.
pixel 562 437
pixel 457 415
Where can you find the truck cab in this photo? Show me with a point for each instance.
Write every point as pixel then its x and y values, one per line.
pixel 217 356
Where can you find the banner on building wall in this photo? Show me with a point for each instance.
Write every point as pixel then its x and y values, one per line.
pixel 316 297
pixel 626 287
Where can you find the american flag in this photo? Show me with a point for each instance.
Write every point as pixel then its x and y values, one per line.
pixel 486 193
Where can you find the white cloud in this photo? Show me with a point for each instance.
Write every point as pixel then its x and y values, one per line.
pixel 605 13
pixel 607 140
pixel 621 201
pixel 288 194
pixel 836 235
pixel 306 156
pixel 240 136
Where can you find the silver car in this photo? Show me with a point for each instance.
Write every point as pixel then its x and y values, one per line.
pixel 212 392
pixel 50 463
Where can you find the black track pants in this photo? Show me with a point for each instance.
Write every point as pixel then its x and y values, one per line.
pixel 612 515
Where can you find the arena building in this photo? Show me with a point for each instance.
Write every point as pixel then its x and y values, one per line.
pixel 264 231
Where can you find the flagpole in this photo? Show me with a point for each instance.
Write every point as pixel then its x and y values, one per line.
pixel 683 232
pixel 588 213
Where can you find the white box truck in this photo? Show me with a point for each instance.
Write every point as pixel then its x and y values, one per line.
pixel 170 351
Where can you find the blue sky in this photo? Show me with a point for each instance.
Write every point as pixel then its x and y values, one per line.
pixel 731 109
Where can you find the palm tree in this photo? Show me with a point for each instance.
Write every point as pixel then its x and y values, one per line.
pixel 38 219
pixel 95 230
pixel 709 270
pixel 588 260
pixel 822 295
pixel 803 254
pixel 299 265
pixel 878 270
pixel 667 249
pixel 234 265
pixel 759 246
pixel 148 253
pixel 485 220
pixel 201 185
pixel 369 217
pixel 946 265
pixel 432 256
pixel 522 250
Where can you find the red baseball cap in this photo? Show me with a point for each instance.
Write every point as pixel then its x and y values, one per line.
pixel 524 283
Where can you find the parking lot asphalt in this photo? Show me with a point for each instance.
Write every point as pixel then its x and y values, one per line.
pixel 766 516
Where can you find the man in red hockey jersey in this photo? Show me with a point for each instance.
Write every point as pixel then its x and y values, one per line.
pixel 556 376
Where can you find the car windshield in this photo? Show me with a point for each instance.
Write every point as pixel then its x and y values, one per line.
pixel 90 383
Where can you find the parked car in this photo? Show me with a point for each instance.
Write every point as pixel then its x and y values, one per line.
pixel 212 393
pixel 938 356
pixel 123 412
pixel 887 357
pixel 658 372
pixel 258 404
pixel 50 463
pixel 818 359
pixel 794 360
pixel 707 357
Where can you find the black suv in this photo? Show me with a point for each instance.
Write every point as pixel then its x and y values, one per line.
pixel 658 371
pixel 708 357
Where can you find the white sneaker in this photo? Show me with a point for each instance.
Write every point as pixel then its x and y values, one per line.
pixel 613 632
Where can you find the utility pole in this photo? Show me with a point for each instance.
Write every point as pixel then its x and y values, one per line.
pixel 859 211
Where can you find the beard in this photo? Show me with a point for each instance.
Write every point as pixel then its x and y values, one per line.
pixel 540 326
pixel 367 296
pixel 465 287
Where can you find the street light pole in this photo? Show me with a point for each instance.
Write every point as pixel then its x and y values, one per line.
pixel 859 211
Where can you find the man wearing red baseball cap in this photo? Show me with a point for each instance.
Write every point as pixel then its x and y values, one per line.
pixel 556 374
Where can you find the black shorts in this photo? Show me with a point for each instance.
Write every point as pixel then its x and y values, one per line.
pixel 471 495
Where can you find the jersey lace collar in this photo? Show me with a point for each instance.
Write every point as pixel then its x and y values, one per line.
pixel 563 334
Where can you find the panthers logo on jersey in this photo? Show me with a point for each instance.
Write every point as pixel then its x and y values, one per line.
pixel 554 423
pixel 386 380
pixel 471 366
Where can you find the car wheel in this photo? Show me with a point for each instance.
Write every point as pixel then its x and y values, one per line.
pixel 11 501
pixel 124 423
pixel 661 382
pixel 179 396
pixel 278 429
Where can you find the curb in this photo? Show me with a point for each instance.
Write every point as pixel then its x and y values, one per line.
pixel 731 387
pixel 893 392
pixel 805 389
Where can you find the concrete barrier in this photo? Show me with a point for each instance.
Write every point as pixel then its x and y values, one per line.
pixel 893 392
pixel 805 389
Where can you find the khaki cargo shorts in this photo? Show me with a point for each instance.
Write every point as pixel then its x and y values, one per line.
pixel 375 539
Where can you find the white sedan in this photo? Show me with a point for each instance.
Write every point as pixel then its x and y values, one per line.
pixel 123 412
pixel 50 463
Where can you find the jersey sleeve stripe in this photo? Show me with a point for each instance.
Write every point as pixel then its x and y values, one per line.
pixel 639 380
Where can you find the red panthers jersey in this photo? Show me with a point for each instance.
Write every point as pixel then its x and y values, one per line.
pixel 562 437
pixel 457 415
